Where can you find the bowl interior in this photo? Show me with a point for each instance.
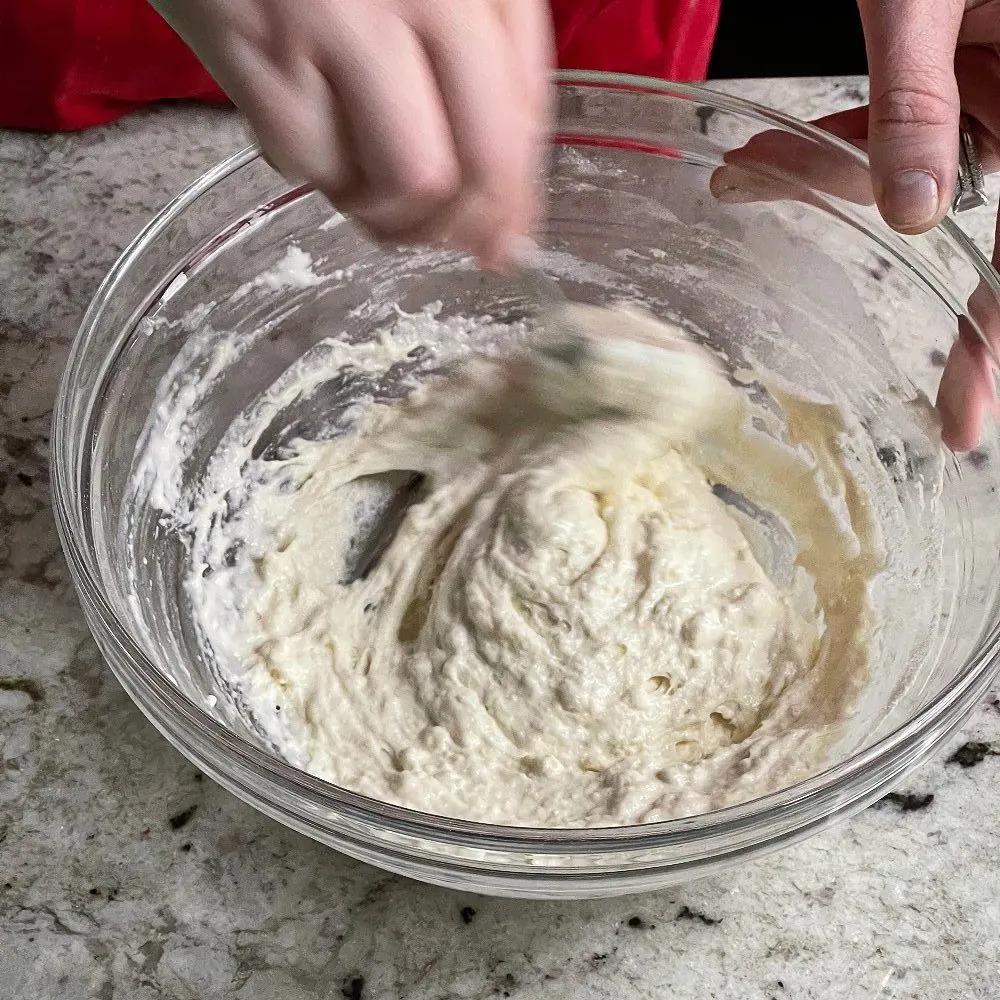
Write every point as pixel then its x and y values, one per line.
pixel 809 287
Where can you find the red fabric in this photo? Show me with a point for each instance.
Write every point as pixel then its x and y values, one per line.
pixel 70 64
pixel 669 39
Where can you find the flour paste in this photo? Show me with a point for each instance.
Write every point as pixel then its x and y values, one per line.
pixel 566 624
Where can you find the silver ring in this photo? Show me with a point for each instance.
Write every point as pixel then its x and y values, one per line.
pixel 970 191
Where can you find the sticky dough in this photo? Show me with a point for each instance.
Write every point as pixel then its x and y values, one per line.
pixel 569 627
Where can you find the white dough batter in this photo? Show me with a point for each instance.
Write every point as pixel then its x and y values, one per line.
pixel 569 627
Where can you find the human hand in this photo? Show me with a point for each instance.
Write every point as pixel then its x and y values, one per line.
pixel 424 120
pixel 930 62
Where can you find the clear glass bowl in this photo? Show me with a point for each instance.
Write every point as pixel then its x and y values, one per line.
pixel 809 284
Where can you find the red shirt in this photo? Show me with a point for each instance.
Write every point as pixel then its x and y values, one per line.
pixel 70 64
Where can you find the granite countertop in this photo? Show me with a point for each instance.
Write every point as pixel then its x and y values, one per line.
pixel 124 874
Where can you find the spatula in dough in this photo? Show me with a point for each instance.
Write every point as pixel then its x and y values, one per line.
pixel 591 360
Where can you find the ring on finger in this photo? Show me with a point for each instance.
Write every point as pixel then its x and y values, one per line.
pixel 970 190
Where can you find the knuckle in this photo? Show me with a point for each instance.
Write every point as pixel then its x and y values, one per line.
pixel 290 154
pixel 903 108
pixel 427 178
pixel 336 185
pixel 330 170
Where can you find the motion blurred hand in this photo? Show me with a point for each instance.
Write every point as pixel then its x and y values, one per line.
pixel 422 119
pixel 930 61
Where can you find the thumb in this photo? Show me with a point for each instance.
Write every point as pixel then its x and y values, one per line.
pixel 915 107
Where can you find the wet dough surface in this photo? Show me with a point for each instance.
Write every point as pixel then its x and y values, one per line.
pixel 568 627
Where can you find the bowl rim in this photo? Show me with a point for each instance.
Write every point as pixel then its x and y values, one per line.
pixel 835 784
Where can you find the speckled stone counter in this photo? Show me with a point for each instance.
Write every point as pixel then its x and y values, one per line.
pixel 124 874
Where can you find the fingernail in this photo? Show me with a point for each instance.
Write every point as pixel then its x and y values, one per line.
pixel 734 196
pixel 725 185
pixel 910 199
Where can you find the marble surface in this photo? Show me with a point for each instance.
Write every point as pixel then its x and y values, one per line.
pixel 125 874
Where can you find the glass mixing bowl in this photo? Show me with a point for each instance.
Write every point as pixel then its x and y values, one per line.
pixel 790 270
